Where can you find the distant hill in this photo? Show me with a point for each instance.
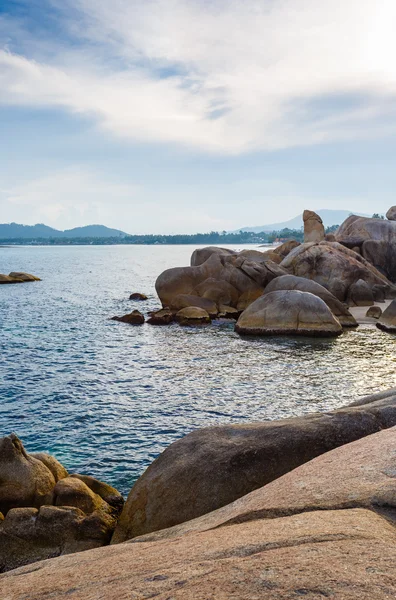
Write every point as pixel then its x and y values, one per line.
pixel 15 230
pixel 329 218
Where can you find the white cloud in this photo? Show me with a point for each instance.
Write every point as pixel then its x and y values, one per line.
pixel 243 70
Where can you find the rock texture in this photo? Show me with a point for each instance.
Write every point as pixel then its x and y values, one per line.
pixel 335 267
pixel 387 322
pixel 138 296
pixel 391 214
pixel 192 316
pixel 313 227
pixel 211 467
pixel 189 300
pixel 360 294
pixel 47 513
pixel 291 282
pixel 133 318
pixel 356 475
pixel 288 312
pixel 374 312
pixel 343 555
pixel 161 317
pixel 18 277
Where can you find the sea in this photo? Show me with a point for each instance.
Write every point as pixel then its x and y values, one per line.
pixel 107 398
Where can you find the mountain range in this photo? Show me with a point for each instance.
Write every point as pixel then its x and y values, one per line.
pixel 329 218
pixel 15 230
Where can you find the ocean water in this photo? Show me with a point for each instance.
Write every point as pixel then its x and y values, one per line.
pixel 106 398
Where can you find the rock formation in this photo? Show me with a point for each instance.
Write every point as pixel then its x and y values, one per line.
pixel 15 277
pixel 47 512
pixel 291 282
pixel 288 312
pixel 313 227
pixel 387 322
pixel 391 214
pixel 211 467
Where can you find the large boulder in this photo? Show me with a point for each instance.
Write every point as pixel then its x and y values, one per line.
pixel 243 273
pixel 211 467
pixel 314 230
pixel 342 555
pixel 291 282
pixel 360 294
pixel 24 480
pixel 356 475
pixel 288 312
pixel 391 214
pixel 387 322
pixel 376 239
pixel 335 267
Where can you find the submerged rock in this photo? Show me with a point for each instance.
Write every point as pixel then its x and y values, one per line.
pixel 212 467
pixel 7 279
pixel 133 318
pixel 138 296
pixel 288 312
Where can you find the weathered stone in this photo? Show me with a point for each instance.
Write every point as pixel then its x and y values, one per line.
pixel 189 300
pixel 161 317
pixel 219 292
pixel 334 266
pixel 24 276
pixel 7 279
pixel 360 294
pixel 284 249
pixel 228 312
pixel 343 555
pixel 109 494
pixel 288 312
pixel 138 296
pixel 192 316
pixel 133 318
pixel 72 491
pixel 211 467
pixel 374 312
pixel 24 481
pixel 313 227
pixel 291 282
pixel 387 322
pixel 391 214
pixel 56 468
pixel 201 255
pixel 248 297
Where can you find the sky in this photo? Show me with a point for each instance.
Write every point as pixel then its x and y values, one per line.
pixel 179 116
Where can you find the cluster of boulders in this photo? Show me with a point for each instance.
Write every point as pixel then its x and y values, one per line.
pixel 46 512
pixel 298 507
pixel 16 277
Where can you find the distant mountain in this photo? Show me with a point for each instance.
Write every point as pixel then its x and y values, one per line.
pixel 329 218
pixel 15 230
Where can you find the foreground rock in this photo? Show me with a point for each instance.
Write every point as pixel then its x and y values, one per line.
pixel 288 312
pixel 291 282
pixel 211 467
pixel 387 322
pixel 133 318
pixel 343 555
pixel 335 267
pixel 314 230
pixel 356 475
pixel 47 512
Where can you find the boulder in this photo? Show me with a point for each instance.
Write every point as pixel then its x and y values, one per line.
pixel 138 296
pixel 374 312
pixel 109 494
pixel 284 249
pixel 342 555
pixel 24 480
pixel 201 255
pixel 72 491
pixel 313 227
pixel 228 312
pixel 288 312
pixel 360 294
pixel 24 276
pixel 391 214
pixel 161 317
pixel 219 292
pixel 212 467
pixel 248 297
pixel 291 282
pixel 387 322
pixel 7 279
pixel 334 266
pixel 244 274
pixel 28 535
pixel 375 237
pixel 133 318
pixel 189 300
pixel 356 475
pixel 56 468
pixel 192 316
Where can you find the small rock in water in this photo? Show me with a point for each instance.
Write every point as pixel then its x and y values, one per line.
pixel 138 296
pixel 161 317
pixel 133 318
pixel 192 315
pixel 374 312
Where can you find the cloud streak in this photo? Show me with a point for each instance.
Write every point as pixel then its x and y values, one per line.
pixel 221 77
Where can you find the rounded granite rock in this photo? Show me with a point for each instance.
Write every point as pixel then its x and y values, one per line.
pixel 192 315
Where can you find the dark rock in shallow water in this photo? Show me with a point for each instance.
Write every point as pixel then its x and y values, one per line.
pixel 133 318
pixel 161 317
pixel 192 316
pixel 212 467
pixel 138 296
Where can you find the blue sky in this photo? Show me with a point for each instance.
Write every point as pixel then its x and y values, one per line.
pixel 192 115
